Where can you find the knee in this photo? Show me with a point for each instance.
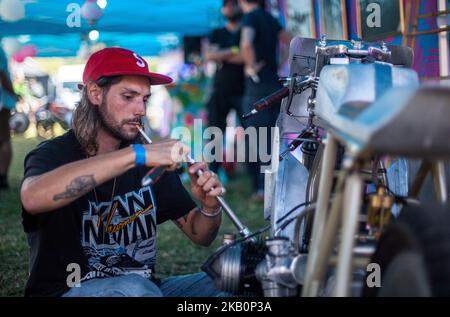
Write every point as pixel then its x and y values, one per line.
pixel 133 285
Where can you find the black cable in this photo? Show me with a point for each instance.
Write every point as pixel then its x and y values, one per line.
pixel 264 229
pixel 287 222
pixel 297 227
pixel 292 210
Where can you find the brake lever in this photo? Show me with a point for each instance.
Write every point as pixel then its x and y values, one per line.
pixel 296 87
pixel 380 54
pixel 292 83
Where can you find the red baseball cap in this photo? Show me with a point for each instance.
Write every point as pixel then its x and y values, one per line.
pixel 113 61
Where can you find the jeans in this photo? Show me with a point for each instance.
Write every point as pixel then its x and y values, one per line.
pixel 219 106
pixel 133 285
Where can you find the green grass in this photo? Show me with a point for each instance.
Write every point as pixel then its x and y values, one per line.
pixel 176 254
pixel 13 247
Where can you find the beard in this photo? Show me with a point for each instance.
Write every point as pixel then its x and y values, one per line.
pixel 233 19
pixel 234 16
pixel 116 129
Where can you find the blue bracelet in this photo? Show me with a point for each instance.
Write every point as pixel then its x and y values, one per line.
pixel 140 154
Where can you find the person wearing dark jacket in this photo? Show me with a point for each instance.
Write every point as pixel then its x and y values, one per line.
pixel 260 37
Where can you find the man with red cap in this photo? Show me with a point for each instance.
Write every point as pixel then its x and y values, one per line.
pixel 91 226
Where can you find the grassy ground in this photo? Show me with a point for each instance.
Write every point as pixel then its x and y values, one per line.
pixel 176 254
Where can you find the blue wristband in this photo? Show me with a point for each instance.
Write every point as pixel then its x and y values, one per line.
pixel 140 154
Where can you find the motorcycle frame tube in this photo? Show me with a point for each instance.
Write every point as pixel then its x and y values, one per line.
pixel 325 248
pixel 440 182
pixel 325 245
pixel 325 183
pixel 350 216
pixel 438 176
pixel 312 192
pixel 419 179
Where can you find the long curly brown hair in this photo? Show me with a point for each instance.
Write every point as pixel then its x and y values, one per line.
pixel 86 119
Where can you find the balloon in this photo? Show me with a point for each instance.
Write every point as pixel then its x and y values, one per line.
pixel 26 51
pixel 91 11
pixel 29 50
pixel 11 45
pixel 12 10
pixel 18 57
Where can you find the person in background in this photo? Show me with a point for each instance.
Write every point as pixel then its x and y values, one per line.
pixel 7 102
pixel 260 36
pixel 228 82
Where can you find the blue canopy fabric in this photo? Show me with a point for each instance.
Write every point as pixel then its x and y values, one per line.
pixel 146 26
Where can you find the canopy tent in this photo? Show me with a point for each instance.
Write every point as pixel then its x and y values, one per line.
pixel 68 44
pixel 146 26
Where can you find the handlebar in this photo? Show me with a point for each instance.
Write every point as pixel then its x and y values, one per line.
pixel 294 85
pixel 298 84
pixel 267 101
pixel 271 99
pixel 381 53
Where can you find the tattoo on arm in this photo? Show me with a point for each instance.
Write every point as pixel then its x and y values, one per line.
pixel 77 187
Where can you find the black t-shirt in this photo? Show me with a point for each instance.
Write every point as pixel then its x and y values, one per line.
pixel 229 78
pixel 265 43
pixel 120 241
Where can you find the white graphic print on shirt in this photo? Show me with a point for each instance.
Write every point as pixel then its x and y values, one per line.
pixel 119 237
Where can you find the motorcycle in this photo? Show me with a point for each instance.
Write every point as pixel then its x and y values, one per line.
pixel 48 115
pixel 18 122
pixel 337 211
